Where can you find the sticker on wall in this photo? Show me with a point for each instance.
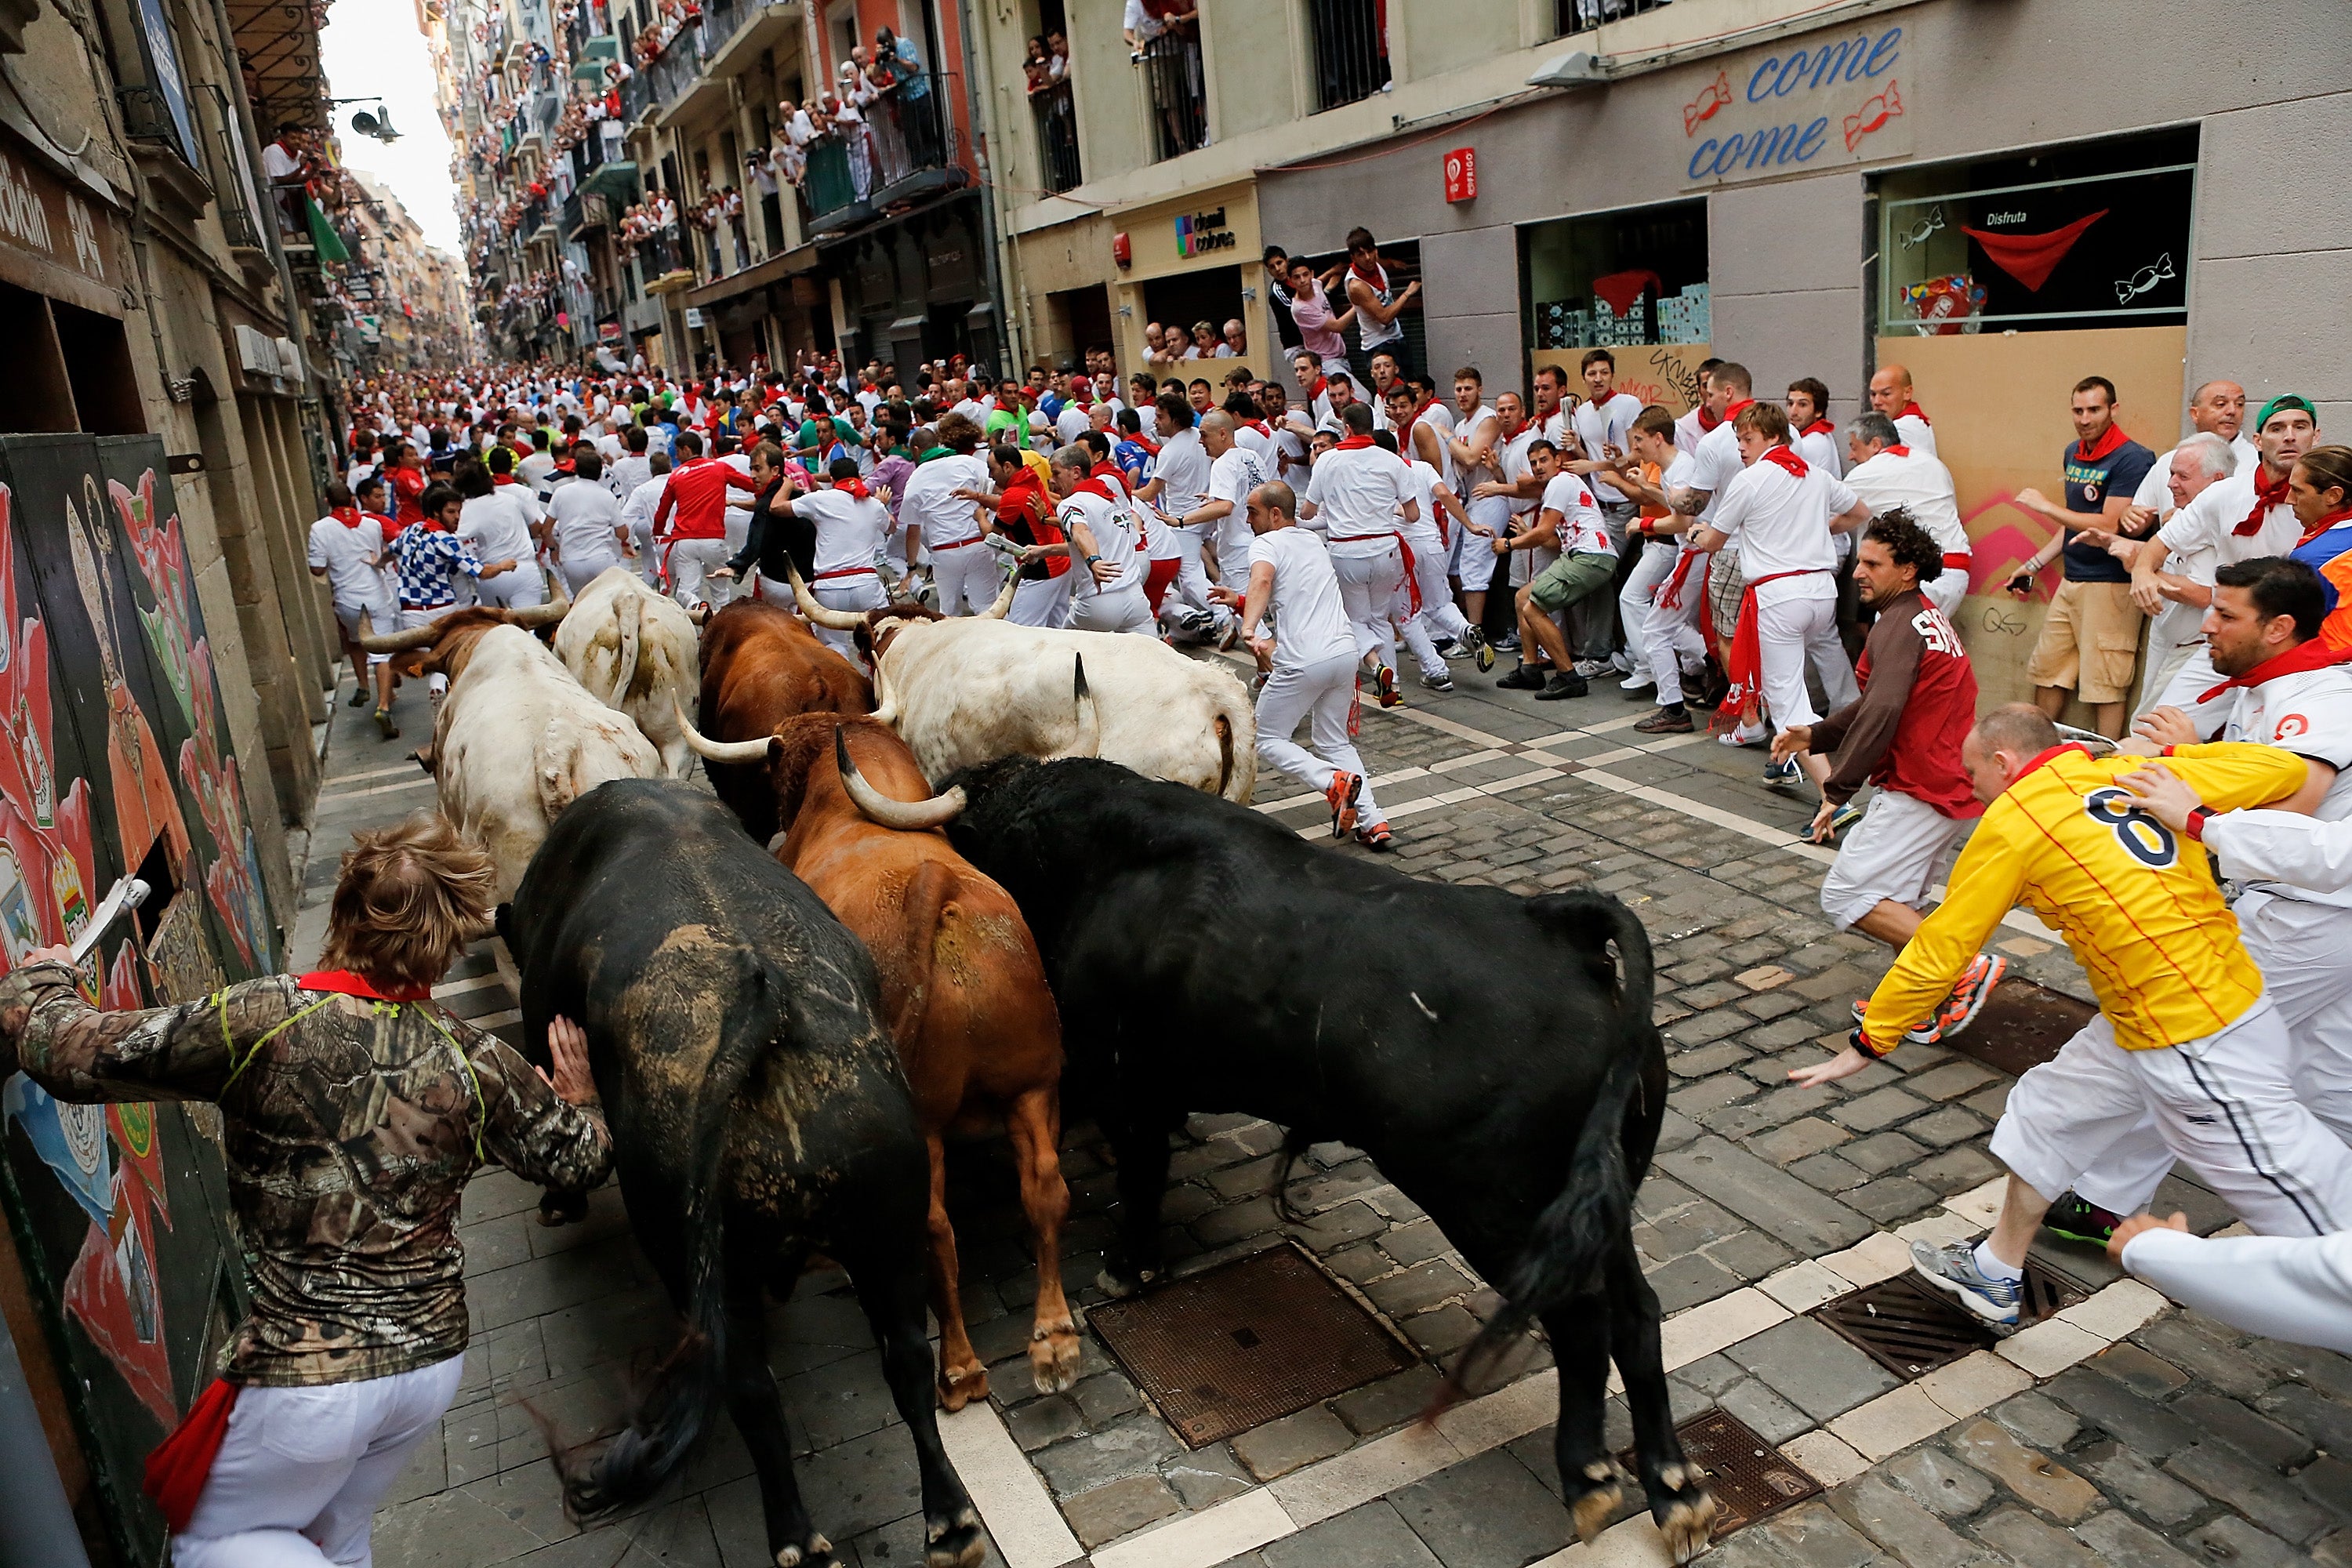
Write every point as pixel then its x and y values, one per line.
pixel 2147 278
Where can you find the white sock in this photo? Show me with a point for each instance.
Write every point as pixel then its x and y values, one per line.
pixel 1992 1267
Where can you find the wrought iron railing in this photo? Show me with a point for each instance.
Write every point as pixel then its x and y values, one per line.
pixel 1057 136
pixel 1351 49
pixel 1174 87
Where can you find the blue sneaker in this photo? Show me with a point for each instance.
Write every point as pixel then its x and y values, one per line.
pixel 1843 817
pixel 1953 1270
pixel 1782 774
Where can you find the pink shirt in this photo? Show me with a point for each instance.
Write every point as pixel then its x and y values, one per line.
pixel 1313 314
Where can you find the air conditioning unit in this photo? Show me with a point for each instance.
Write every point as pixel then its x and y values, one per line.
pixel 289 359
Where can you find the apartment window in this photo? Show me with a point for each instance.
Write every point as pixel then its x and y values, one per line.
pixel 1168 53
pixel 1046 73
pixel 154 90
pixel 2094 234
pixel 1351 49
pixel 1583 16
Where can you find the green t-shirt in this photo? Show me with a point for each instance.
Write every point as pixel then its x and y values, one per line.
pixel 815 435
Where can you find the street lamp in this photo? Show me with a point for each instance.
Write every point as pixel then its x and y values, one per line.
pixel 378 124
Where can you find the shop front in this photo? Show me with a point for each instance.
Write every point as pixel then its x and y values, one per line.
pixel 1190 260
pixel 917 288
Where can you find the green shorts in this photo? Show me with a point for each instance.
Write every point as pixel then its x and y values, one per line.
pixel 1571 578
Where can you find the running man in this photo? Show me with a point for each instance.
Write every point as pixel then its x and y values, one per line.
pixel 1357 494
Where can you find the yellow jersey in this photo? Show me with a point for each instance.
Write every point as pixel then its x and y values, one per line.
pixel 2136 904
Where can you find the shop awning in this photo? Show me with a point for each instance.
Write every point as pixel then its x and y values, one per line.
pixel 775 270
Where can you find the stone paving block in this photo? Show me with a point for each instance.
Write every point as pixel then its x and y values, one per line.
pixel 2033 1476
pixel 1440 1332
pixel 2049 1347
pixel 2203 1357
pixel 2327 1480
pixel 2323 1419
pixel 1773 1418
pixel 1043 1421
pixel 1974 1383
pixel 1890 1199
pixel 1422 1285
pixel 1891 1423
pixel 1281 1447
pixel 1377 1406
pixel 1940 1483
pixel 1486 1512
pixel 1952 1079
pixel 2221 1474
pixel 1704 1028
pixel 1806 1536
pixel 1120 1508
pixel 1128 1446
pixel 1705 1061
pixel 2124 1543
pixel 1371 1536
pixel 2134 1482
pixel 1825 1457
pixel 1812 1368
pixel 1955 1170
pixel 1885 1152
pixel 2229 1538
pixel 1829 1173
pixel 1917 1537
pixel 1765 1196
pixel 1942 1128
pixel 863 1485
pixel 1797 1140
pixel 2262 1440
pixel 1751 1255
pixel 1415 1242
pixel 2028 1540
pixel 1206 1476
pixel 1105 1397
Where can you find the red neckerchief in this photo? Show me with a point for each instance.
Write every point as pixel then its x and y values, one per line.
pixel 348 516
pixel 2105 444
pixel 853 488
pixel 2342 514
pixel 1259 426
pixel 1783 457
pixel 1605 398
pixel 1354 444
pixel 2267 494
pixel 1023 493
pixel 1730 410
pixel 1912 410
pixel 2050 756
pixel 1427 405
pixel 1315 391
pixel 1896 450
pixel 343 982
pixel 1818 428
pixel 1378 277
pixel 1146 442
pixel 1707 421
pixel 498 479
pixel 1094 487
pixel 2316 654
pixel 1109 472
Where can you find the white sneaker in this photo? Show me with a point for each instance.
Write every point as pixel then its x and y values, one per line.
pixel 1594 669
pixel 1638 681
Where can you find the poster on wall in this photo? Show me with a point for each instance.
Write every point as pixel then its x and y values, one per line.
pixel 113 762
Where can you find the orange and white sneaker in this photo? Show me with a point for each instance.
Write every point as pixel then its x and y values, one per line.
pixel 1345 787
pixel 1969 998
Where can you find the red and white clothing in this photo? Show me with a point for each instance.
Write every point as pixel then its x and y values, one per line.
pixel 1430 537
pixel 852 527
pixel 1358 492
pixel 961 570
pixel 1583 531
pixel 1315 667
pixel 1671 637
pixel 691 520
pixel 1915 481
pixel 1609 424
pixel 1237 472
pixel 1778 510
pixel 585 520
pixel 1473 562
pixel 1911 424
pixel 1183 474
pixel 1117 605
pixel 348 545
pixel 1691 424
pixel 2199 538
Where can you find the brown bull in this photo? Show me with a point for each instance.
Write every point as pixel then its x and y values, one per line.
pixel 762 665
pixel 963 991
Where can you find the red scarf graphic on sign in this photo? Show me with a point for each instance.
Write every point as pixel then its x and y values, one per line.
pixel 2030 258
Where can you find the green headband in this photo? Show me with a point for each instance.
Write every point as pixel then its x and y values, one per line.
pixel 2285 400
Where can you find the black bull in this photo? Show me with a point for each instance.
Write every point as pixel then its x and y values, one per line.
pixel 1478 1045
pixel 758 1111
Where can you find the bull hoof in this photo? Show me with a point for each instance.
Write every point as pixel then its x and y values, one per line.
pixel 960 1387
pixel 954 1543
pixel 1686 1513
pixel 561 1208
pixel 1594 1506
pixel 1054 1354
pixel 817 1553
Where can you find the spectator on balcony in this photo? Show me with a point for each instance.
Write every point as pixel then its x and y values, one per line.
pixel 918 109
pixel 1207 344
pixel 846 124
pixel 1237 339
pixel 1037 67
pixel 1164 32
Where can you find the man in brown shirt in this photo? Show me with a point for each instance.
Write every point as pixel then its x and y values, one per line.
pixel 354 1112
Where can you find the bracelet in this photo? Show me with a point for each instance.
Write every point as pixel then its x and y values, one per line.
pixel 1862 1042
pixel 2197 821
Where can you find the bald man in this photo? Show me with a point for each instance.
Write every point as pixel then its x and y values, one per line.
pixel 2216 408
pixel 1890 393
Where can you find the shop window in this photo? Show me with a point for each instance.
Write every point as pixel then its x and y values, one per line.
pixel 97 368
pixel 1619 279
pixel 2088 236
pixel 34 396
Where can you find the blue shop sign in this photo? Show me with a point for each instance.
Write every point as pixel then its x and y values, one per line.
pixel 1836 101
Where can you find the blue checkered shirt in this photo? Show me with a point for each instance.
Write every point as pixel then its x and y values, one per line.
pixel 429 563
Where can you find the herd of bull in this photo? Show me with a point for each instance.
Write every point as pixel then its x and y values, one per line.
pixel 793 994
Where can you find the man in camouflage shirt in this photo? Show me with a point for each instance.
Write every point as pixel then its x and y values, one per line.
pixel 354 1109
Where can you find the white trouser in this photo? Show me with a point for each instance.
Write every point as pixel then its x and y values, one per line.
pixel 862 591
pixel 1633 601
pixel 1412 625
pixel 300 1470
pixel 769 591
pixel 437 682
pixel 689 562
pixel 517 588
pixel 1367 584
pixel 383 618
pixel 1891 854
pixel 1041 602
pixel 1476 563
pixel 1191 583
pixel 1948 590
pixel 2224 1102
pixel 1439 612
pixel 1232 551
pixel 648 558
pixel 1672 637
pixel 581 569
pixel 967 579
pixel 2192 677
pixel 2300 946
pixel 1786 633
pixel 1322 693
pixel 1119 609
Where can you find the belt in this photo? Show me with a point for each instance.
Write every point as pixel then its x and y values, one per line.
pixel 846 571
pixel 445 604
pixel 959 544
pixel 1959 560
pixel 1360 538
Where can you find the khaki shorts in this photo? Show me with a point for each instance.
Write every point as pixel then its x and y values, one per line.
pixel 1725 586
pixel 1571 578
pixel 2090 642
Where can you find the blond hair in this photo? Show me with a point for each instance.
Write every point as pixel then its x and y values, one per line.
pixel 409 898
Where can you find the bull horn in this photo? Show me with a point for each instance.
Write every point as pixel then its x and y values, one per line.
pixel 907 817
pixel 1087 742
pixel 834 620
pixel 885 707
pixel 532 618
pixel 711 750
pixel 1004 605
pixel 402 642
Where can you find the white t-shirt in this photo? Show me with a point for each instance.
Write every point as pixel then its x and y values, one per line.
pixel 1606 424
pixel 927 500
pixel 495 529
pixel 343 553
pixel 1310 625
pixel 1781 523
pixel 1182 472
pixel 1916 433
pixel 583 518
pixel 625 474
pixel 1259 442
pixel 1073 423
pixel 1232 476
pixel 1921 486
pixel 1358 493
pixel 1511 456
pixel 1820 449
pixel 2308 713
pixel 2204 533
pixel 1432 528
pixel 849 530
pixel 1582 530
pixel 1687 430
pixel 1716 462
pixel 1114 537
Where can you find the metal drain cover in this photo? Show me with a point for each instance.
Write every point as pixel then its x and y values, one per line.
pixel 2022 1025
pixel 1248 1343
pixel 1750 1478
pixel 1911 1330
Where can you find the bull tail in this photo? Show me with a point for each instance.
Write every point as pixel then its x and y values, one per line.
pixel 624 660
pixel 1570 1244
pixel 1237 729
pixel 682 1399
pixel 925 910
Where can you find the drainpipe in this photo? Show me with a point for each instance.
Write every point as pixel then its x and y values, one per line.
pixel 1010 330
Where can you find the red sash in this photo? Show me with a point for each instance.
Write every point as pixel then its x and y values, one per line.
pixel 179 1466
pixel 1746 667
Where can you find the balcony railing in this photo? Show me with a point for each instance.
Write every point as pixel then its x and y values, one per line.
pixel 904 150
pixel 1171 64
pixel 1583 16
pixel 1057 136
pixel 1351 50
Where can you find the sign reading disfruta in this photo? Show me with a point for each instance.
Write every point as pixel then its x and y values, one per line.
pixel 1783 110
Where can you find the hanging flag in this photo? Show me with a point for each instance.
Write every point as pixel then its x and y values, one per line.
pixel 2030 258
pixel 322 234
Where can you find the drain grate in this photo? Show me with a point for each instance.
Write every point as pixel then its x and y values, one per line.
pixel 1750 1478
pixel 1911 1330
pixel 1248 1343
pixel 2022 1025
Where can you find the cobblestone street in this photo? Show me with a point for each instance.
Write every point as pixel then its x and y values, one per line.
pixel 2120 1432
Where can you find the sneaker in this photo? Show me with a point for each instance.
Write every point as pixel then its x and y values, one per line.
pixel 1640 689
pixel 1843 817
pixel 383 723
pixel 1783 775
pixel 1230 636
pixel 359 698
pixel 1508 642
pixel 1666 721
pixel 1953 1270
pixel 1594 669
pixel 1925 1032
pixel 1376 839
pixel 1560 686
pixel 1969 998
pixel 1621 662
pixel 1474 639
pixel 1743 736
pixel 1527 677
pixel 2076 1218
pixel 1440 681
pixel 1386 680
pixel 1345 787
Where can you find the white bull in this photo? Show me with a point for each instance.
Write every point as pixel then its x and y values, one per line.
pixel 518 739
pixel 636 651
pixel 975 687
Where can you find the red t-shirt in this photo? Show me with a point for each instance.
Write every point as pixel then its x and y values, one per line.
pixel 698 493
pixel 1024 515
pixel 408 484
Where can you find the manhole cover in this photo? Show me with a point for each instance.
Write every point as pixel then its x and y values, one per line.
pixel 1750 1478
pixel 2022 1025
pixel 1248 1343
pixel 1911 1330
